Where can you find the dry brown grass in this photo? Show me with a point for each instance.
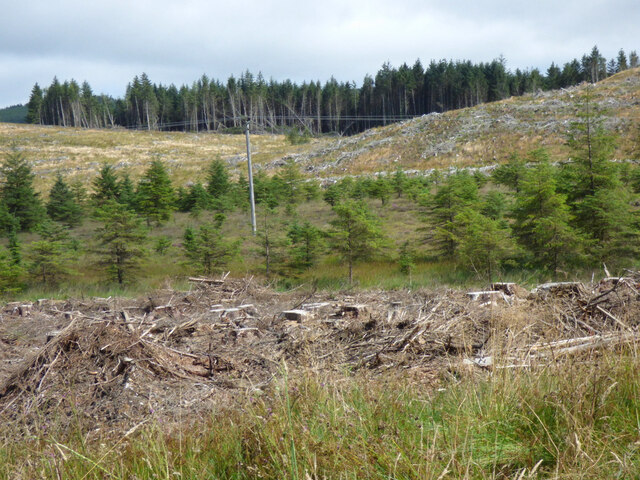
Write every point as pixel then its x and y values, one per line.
pixel 79 153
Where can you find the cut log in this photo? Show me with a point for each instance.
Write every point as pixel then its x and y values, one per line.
pixel 487 296
pixel 296 315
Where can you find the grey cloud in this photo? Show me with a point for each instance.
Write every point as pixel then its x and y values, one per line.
pixel 107 42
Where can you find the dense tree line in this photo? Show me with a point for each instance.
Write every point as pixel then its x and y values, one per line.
pixel 393 93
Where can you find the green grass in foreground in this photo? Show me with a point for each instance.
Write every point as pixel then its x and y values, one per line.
pixel 571 420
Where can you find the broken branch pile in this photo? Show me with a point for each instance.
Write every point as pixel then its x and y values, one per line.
pixel 116 362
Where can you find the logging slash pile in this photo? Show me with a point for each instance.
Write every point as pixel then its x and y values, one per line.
pixel 113 364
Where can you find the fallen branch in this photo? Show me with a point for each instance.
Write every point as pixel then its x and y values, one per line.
pixel 208 281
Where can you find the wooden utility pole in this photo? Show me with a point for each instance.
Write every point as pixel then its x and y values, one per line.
pixel 251 195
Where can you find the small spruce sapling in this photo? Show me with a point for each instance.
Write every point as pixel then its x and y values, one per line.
pixel 356 234
pixel 121 239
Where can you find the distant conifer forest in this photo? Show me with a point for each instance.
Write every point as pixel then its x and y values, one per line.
pixel 311 107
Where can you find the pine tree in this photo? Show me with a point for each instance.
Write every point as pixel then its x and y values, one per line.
pixel 307 242
pixel 126 192
pixel 14 247
pixel 155 195
pixel 17 192
pixel 333 194
pixel 554 77
pixel 80 194
pixel 162 244
pixel 399 182
pixel 105 186
pixel 356 233
pixel 600 202
pixel 622 61
pixel 481 242
pixel 217 179
pixel 10 273
pixel 494 205
pixel 591 148
pixel 290 180
pixel 459 191
pixel 381 189
pixel 121 240
pixel 270 240
pixel 511 173
pixel 240 192
pixel 49 257
pixel 311 190
pixel 62 206
pixel 361 188
pixel 197 199
pixel 8 222
pixel 543 221
pixel 189 243
pixel 406 259
pixel 208 248
pixel 34 107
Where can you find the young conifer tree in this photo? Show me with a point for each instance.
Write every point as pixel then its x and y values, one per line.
pixel 217 179
pixel 482 242
pixel 207 248
pixel 543 221
pixel 62 206
pixel 307 242
pixel 456 193
pixel 17 192
pixel 356 233
pixel 121 240
pixel 599 200
pixel 105 186
pixel 49 259
pixel 155 197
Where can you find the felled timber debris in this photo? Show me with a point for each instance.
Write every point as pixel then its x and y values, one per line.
pixel 560 288
pixel 297 315
pixel 510 289
pixel 488 297
pixel 117 362
pixel 208 281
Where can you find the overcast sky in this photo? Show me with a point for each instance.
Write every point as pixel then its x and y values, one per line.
pixel 107 42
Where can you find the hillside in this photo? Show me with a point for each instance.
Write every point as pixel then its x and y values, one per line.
pixel 478 136
pixel 483 135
